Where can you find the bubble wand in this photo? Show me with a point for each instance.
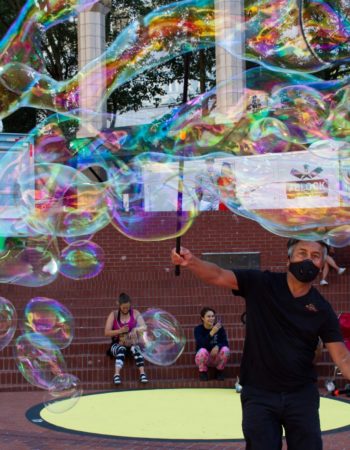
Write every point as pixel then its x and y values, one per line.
pixel 187 60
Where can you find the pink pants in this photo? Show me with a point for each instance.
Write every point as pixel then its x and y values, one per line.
pixel 204 360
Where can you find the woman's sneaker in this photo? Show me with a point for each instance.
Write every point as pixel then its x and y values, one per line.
pixel 220 375
pixel 323 283
pixel 117 379
pixel 341 270
pixel 143 378
pixel 203 376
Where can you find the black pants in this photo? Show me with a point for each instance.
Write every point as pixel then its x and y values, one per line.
pixel 120 351
pixel 265 413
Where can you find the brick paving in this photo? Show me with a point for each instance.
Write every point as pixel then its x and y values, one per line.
pixel 18 433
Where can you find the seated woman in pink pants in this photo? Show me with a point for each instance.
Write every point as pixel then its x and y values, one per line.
pixel 211 345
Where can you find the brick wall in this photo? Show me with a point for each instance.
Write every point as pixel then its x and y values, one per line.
pixel 143 270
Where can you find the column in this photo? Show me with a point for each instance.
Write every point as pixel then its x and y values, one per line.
pixel 230 76
pixel 91 45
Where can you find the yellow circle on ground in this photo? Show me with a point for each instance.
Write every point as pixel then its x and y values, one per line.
pixel 195 414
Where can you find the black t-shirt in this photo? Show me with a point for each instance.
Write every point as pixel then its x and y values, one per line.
pixel 282 331
pixel 204 340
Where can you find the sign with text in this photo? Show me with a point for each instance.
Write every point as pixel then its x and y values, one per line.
pixel 271 181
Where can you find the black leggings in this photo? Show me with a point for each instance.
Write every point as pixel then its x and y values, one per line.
pixel 120 352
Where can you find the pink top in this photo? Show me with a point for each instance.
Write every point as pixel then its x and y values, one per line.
pixel 117 323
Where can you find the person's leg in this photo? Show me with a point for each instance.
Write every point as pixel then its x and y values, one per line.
pixel 261 423
pixel 325 272
pixel 140 362
pixel 331 262
pixel 202 360
pixel 119 352
pixel 220 362
pixel 301 419
pixel 221 358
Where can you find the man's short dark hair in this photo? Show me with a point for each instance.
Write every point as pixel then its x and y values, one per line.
pixel 124 298
pixel 292 242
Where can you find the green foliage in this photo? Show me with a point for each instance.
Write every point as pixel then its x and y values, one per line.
pixel 149 87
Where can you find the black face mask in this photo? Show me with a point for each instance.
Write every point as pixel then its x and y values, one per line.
pixel 304 271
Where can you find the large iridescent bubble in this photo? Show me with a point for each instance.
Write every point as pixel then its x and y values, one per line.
pixel 8 322
pixel 22 38
pixel 338 121
pixel 164 340
pixel 74 221
pixel 275 113
pixel 82 260
pixel 62 197
pixel 49 318
pixel 288 35
pixel 303 110
pixel 38 359
pixel 63 394
pixel 138 191
pixel 30 261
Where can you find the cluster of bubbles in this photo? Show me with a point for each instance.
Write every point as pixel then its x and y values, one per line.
pixel 38 261
pixel 158 193
pixel 149 42
pixel 47 328
pixel 163 341
pixel 50 189
pixel 286 36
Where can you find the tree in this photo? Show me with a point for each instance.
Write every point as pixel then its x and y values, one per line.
pixel 150 86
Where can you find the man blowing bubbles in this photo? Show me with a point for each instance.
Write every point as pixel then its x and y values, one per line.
pixel 286 316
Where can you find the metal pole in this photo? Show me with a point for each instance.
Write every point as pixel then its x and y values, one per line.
pixel 187 59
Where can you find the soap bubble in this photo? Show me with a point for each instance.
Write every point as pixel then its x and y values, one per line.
pixel 8 322
pixel 38 359
pixel 29 261
pixel 64 393
pixel 49 318
pixel 290 36
pixel 63 198
pixel 145 199
pixel 164 340
pixel 82 260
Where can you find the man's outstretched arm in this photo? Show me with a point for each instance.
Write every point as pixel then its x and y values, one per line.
pixel 341 357
pixel 207 272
